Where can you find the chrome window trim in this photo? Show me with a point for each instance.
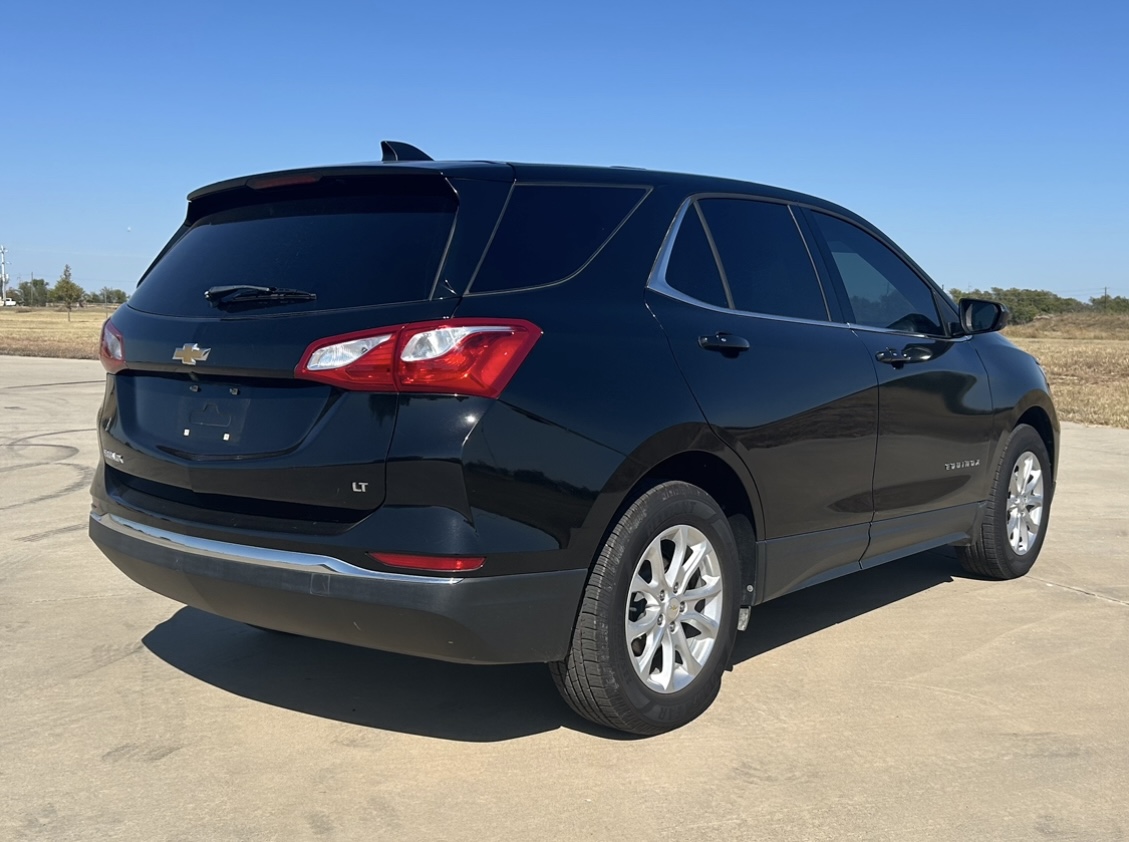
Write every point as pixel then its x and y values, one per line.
pixel 656 281
pixel 258 556
pixel 930 336
pixel 670 292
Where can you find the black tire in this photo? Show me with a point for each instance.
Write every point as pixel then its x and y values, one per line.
pixel 598 678
pixel 991 553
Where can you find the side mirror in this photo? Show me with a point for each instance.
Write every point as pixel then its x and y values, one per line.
pixel 978 316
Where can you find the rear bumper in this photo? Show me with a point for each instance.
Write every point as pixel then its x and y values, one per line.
pixel 490 620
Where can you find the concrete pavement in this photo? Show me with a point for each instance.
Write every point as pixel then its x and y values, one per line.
pixel 904 703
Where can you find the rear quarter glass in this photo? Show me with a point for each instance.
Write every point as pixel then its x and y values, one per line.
pixel 349 250
pixel 550 231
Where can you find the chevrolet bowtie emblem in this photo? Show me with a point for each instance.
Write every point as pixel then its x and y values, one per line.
pixel 191 354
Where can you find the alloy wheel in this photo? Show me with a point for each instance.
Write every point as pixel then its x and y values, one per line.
pixel 1025 503
pixel 674 609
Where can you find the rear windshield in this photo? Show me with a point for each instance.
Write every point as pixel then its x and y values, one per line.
pixel 349 250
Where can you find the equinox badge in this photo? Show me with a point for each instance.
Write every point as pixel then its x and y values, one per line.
pixel 191 354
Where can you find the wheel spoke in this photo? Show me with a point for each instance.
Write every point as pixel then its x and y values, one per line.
pixel 677 556
pixel 645 623
pixel 648 589
pixel 705 591
pixel 666 675
pixel 1013 530
pixel 643 662
pixel 706 625
pixel 682 646
pixel 654 556
pixel 690 567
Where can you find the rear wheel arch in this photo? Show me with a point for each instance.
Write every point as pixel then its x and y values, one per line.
pixel 718 479
pixel 718 472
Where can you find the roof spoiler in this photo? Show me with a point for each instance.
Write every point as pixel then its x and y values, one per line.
pixel 397 150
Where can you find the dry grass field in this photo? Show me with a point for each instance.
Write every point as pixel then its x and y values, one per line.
pixel 1085 355
pixel 1073 326
pixel 45 331
pixel 1089 378
pixel 1087 360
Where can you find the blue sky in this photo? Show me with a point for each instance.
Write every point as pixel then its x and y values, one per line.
pixel 991 140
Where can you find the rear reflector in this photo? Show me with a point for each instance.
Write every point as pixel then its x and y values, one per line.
pixel 112 349
pixel 440 564
pixel 457 356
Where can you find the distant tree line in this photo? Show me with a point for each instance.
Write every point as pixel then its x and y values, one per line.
pixel 1028 304
pixel 38 293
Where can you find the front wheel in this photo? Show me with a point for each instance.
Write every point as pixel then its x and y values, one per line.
pixel 658 621
pixel 1015 520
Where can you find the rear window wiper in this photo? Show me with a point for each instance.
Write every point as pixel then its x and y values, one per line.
pixel 240 293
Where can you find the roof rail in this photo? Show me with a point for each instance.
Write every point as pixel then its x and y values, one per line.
pixel 397 150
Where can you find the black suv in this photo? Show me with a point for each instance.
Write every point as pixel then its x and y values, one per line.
pixel 496 413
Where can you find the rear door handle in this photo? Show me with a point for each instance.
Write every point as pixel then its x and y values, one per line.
pixel 909 354
pixel 724 342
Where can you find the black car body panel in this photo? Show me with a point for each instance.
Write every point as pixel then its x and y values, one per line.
pixel 832 444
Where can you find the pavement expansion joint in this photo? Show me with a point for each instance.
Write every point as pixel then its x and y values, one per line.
pixel 1079 590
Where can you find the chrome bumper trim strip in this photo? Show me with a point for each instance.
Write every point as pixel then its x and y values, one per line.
pixel 260 556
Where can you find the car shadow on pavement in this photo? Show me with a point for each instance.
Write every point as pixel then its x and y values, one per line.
pixel 799 614
pixel 472 703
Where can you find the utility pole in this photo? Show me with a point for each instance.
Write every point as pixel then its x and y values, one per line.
pixel 3 275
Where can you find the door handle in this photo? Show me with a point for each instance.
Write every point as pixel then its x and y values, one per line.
pixel 727 343
pixel 909 354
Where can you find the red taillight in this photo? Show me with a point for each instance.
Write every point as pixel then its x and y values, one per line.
pixel 458 356
pixel 112 350
pixel 354 360
pixel 439 564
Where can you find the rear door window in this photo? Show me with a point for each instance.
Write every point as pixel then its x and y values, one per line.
pixel 764 258
pixel 349 250
pixel 550 231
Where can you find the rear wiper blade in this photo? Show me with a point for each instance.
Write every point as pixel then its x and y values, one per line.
pixel 239 293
